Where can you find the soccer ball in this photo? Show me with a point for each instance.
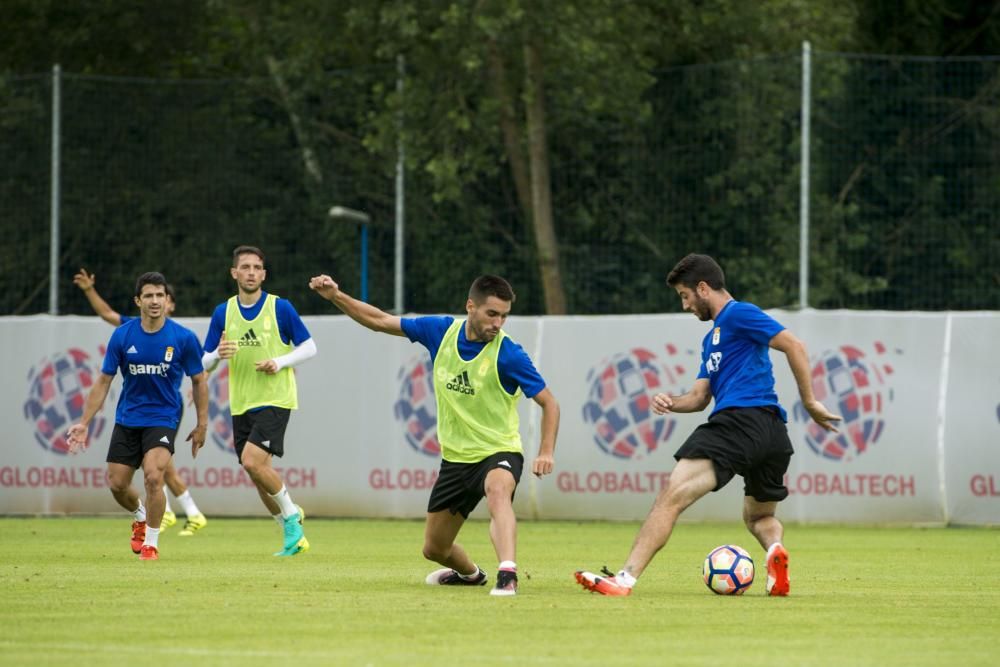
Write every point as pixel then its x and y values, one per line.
pixel 728 570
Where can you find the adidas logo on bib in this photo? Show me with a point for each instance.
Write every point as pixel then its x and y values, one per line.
pixel 461 384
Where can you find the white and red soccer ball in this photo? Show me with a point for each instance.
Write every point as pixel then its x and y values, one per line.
pixel 728 570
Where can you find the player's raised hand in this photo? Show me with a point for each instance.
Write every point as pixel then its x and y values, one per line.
pixel 227 348
pixel 76 438
pixel 84 280
pixel 197 438
pixel 325 286
pixel 822 416
pixel 662 403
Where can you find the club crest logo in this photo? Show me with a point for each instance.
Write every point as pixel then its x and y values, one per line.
pixel 619 403
pixel 57 391
pixel 220 422
pixel 855 386
pixel 416 407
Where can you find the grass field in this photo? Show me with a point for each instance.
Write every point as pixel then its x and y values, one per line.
pixel 72 593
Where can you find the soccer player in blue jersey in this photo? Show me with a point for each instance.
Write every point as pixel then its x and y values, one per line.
pixel 195 519
pixel 479 376
pixel 153 354
pixel 263 338
pixel 745 434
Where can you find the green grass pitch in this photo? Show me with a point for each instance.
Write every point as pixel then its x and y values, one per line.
pixel 72 593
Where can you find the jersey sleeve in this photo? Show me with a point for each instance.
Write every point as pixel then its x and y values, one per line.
pixel 428 330
pixel 191 357
pixel 290 325
pixel 517 370
pixel 755 324
pixel 113 355
pixel 215 328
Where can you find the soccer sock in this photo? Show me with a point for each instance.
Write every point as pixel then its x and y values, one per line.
pixel 187 502
pixel 166 500
pixel 470 577
pixel 140 512
pixel 152 537
pixel 284 501
pixel 507 565
pixel 280 520
pixel 625 579
pixel 771 549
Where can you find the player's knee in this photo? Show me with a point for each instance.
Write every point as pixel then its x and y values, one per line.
pixel 117 484
pixel 154 480
pixel 434 552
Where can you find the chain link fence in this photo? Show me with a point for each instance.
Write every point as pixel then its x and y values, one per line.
pixel 170 175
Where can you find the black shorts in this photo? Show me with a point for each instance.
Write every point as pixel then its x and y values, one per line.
pixel 264 428
pixel 460 486
pixel 129 445
pixel 751 442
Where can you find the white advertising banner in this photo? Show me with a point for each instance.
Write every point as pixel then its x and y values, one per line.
pixel 919 443
pixel 971 442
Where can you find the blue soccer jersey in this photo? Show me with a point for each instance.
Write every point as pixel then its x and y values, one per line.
pixel 513 364
pixel 152 365
pixel 735 360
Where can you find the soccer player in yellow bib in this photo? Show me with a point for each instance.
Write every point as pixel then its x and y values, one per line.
pixel 263 338
pixel 479 376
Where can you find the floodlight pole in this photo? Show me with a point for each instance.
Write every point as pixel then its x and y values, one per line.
pixel 363 219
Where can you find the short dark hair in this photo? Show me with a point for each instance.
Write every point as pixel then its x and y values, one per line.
pixel 247 250
pixel 149 278
pixel 487 286
pixel 694 269
pixel 170 292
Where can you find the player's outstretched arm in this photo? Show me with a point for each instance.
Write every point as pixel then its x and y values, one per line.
pixel 798 361
pixel 363 313
pixel 545 461
pixel 199 393
pixel 77 435
pixel 695 400
pixel 85 281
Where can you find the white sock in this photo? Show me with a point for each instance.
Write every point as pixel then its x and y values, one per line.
pixel 771 549
pixel 166 500
pixel 507 565
pixel 469 577
pixel 625 579
pixel 152 537
pixel 140 513
pixel 279 519
pixel 187 502
pixel 284 501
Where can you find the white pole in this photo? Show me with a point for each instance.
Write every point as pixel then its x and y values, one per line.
pixel 54 196
pixel 804 177
pixel 400 191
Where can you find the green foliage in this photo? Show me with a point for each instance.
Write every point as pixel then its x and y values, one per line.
pixel 671 127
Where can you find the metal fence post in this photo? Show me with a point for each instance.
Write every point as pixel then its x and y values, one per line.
pixel 804 177
pixel 400 191
pixel 54 195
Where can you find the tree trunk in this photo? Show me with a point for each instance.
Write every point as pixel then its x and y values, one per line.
pixel 513 141
pixel 541 190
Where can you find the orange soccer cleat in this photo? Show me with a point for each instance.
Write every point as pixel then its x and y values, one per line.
pixel 149 552
pixel 138 535
pixel 777 571
pixel 605 585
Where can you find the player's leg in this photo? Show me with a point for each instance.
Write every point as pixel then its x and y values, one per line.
pixel 447 509
pixel 690 480
pixel 195 519
pixel 499 488
pixel 256 461
pixel 153 464
pixel 440 530
pixel 124 458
